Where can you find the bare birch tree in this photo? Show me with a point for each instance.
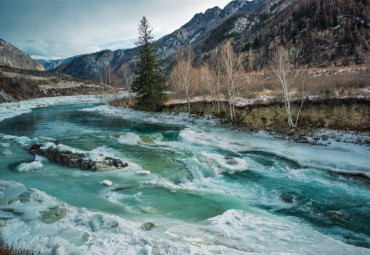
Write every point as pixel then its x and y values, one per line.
pixel 233 71
pixel 282 68
pixel 183 75
pixel 208 84
pixel 217 71
pixel 127 79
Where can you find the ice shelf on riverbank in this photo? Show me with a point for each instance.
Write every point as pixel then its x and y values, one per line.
pixel 34 220
pixel 8 110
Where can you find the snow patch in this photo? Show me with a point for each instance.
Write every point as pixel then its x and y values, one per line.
pixel 27 167
pixel 107 183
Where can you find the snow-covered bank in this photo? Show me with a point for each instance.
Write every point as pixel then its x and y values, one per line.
pixel 238 141
pixel 180 119
pixel 306 155
pixel 34 220
pixel 8 110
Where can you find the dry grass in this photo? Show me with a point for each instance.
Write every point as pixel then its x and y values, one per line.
pixel 7 250
pixel 316 83
pixel 123 102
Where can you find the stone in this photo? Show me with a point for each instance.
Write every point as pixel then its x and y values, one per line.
pixel 148 226
pixel 74 159
pixel 114 224
pixel 230 160
pixel 73 236
pixel 2 223
pixel 59 250
pixel 53 215
pixel 96 222
pixel 334 215
pixel 12 192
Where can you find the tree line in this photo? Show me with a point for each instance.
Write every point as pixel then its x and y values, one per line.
pixel 221 78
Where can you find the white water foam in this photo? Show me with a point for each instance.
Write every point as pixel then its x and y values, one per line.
pixel 129 138
pixel 230 164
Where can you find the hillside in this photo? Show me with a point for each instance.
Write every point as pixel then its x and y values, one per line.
pixel 19 84
pixel 13 57
pixel 52 64
pixel 92 66
pixel 317 33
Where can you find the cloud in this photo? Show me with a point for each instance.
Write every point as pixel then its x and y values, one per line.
pixel 63 28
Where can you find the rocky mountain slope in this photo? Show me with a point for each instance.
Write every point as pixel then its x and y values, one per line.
pixel 20 84
pixel 91 66
pixel 52 64
pixel 13 57
pixel 317 34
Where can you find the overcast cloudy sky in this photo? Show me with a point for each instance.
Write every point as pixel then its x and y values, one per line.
pixel 64 28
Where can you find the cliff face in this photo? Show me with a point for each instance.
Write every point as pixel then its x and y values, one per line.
pixel 340 114
pixel 13 57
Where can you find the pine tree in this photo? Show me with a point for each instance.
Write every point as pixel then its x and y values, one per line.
pixel 149 84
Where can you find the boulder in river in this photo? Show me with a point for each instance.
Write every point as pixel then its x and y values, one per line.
pixel 52 152
pixel 96 222
pixel 148 226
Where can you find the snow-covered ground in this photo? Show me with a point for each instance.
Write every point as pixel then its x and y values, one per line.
pixel 8 110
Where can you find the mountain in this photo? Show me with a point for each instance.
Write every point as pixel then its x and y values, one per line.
pixel 52 64
pixel 20 84
pixel 13 57
pixel 91 66
pixel 318 33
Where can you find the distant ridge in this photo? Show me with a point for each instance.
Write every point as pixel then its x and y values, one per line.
pixel 13 57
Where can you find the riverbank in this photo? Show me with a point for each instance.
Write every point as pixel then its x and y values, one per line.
pixel 321 121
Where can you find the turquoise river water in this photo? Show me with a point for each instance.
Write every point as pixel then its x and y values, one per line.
pixel 260 192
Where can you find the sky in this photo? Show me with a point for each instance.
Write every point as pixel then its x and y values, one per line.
pixel 52 29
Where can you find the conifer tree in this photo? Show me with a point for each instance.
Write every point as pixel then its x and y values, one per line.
pixel 149 84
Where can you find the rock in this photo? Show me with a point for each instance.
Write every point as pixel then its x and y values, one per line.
pixel 97 166
pixel 114 224
pixel 334 215
pixel 148 249
pixel 2 223
pixel 301 139
pixel 230 160
pixel 12 192
pixel 96 222
pixel 55 214
pixel 73 236
pixel 287 199
pixel 115 162
pixel 107 183
pixel 148 226
pixel 74 159
pixel 85 164
pixel 59 250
